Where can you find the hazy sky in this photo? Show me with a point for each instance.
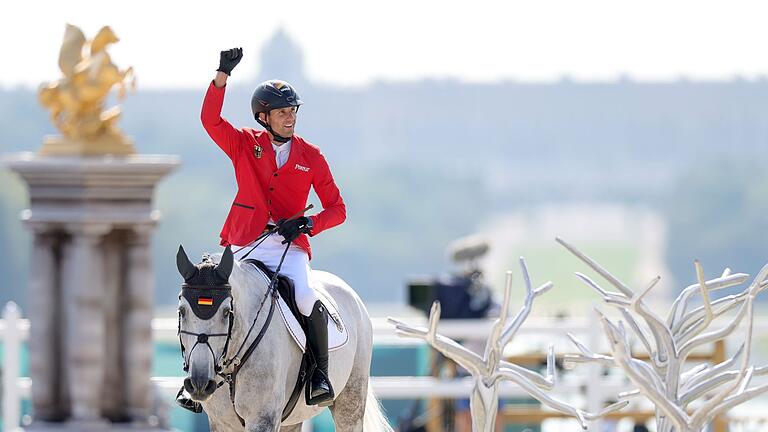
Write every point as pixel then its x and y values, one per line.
pixel 176 43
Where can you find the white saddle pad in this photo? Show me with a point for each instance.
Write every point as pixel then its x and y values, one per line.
pixel 337 331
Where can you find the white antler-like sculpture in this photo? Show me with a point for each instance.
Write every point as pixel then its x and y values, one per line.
pixel 671 341
pixel 490 369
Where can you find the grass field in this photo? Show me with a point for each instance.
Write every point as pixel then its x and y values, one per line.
pixel 556 264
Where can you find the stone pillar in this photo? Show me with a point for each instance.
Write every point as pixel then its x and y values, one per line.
pixel 91 290
pixel 82 284
pixel 43 341
pixel 137 325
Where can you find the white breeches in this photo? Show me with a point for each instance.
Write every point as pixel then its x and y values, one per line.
pixel 295 266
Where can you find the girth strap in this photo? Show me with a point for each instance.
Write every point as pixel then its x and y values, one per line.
pixel 301 381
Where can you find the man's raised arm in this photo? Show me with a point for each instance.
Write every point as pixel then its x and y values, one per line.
pixel 220 80
pixel 224 134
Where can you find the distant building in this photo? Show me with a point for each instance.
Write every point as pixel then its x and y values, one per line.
pixel 282 58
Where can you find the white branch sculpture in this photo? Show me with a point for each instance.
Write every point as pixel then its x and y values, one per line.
pixel 490 369
pixel 671 341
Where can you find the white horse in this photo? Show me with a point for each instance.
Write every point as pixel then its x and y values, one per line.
pixel 266 379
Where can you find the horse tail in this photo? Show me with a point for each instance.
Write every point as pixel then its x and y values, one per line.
pixel 374 419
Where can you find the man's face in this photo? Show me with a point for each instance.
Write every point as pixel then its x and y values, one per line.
pixel 282 121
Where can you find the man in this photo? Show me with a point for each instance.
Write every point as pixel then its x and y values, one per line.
pixel 274 169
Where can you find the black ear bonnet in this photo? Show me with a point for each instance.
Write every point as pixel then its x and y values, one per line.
pixel 206 285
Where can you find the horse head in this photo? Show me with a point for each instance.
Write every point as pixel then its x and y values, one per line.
pixel 205 319
pixel 104 38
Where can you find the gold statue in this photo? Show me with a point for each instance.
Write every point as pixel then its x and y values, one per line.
pixel 76 101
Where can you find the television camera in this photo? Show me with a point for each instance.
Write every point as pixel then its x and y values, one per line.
pixel 462 294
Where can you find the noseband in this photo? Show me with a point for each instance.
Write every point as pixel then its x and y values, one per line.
pixel 205 301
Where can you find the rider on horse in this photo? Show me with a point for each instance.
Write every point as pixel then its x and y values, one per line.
pixel 274 169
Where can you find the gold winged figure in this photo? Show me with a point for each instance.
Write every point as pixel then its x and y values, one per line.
pixel 76 101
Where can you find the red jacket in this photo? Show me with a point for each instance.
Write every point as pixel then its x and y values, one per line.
pixel 263 190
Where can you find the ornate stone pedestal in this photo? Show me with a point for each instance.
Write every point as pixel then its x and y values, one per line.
pixel 91 290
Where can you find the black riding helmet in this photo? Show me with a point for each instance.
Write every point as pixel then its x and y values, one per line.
pixel 273 94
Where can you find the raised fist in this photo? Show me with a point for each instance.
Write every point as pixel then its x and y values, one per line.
pixel 229 59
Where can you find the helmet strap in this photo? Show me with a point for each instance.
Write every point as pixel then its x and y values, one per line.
pixel 275 136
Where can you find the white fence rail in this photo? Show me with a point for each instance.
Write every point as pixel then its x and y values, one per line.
pixel 14 331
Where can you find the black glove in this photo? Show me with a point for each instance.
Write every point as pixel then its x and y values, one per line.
pixel 229 59
pixel 292 228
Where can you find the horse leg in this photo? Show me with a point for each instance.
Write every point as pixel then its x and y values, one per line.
pixel 223 424
pixel 220 427
pixel 349 407
pixel 265 423
pixel 356 408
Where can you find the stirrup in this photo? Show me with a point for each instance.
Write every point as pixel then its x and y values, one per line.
pixel 187 403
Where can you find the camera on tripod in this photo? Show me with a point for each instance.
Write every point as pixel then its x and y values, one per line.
pixel 463 294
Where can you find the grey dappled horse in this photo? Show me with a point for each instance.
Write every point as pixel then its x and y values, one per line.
pixel 267 378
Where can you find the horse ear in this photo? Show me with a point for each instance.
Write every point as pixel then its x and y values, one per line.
pixel 224 269
pixel 185 266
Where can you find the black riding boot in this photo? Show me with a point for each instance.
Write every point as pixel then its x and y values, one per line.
pixel 319 390
pixel 187 403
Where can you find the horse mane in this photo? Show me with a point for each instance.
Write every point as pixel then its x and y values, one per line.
pixel 244 277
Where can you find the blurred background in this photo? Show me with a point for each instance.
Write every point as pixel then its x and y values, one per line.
pixel 637 131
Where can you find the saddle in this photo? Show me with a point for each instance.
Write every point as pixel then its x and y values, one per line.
pixel 284 288
pixel 296 324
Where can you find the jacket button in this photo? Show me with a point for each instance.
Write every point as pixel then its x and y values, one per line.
pixel 275 174
pixel 271 189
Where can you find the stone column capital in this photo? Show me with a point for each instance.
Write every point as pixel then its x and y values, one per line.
pixel 41 228
pixel 141 233
pixel 44 240
pixel 92 231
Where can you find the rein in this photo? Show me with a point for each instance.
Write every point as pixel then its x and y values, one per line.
pixel 260 239
pixel 271 290
pixel 231 378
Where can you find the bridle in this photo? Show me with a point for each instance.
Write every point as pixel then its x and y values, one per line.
pixel 221 362
pixel 189 291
